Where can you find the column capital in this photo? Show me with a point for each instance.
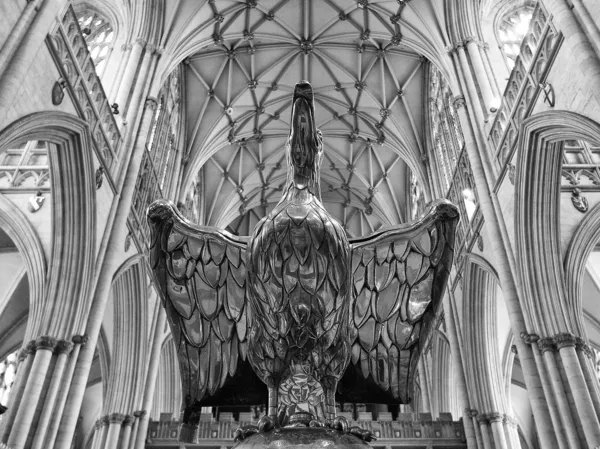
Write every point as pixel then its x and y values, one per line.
pixel 582 346
pixel 565 340
pixel 483 420
pixel 45 342
pixel 495 417
pixel 116 418
pixel 141 42
pixel 546 344
pixel 140 413
pixel 512 422
pixel 471 412
pixel 63 347
pixel 529 338
pixel 80 339
pixel 128 421
pixel 105 420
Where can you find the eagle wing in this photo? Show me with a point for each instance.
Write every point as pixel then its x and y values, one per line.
pixel 201 272
pixel 398 280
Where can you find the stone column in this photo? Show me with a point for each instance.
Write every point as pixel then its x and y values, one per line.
pixel 126 51
pixel 579 389
pixel 62 350
pixel 586 358
pixel 114 430
pixel 547 348
pixel 576 40
pixel 507 281
pixel 495 419
pixel 477 107
pixel 126 431
pixel 481 76
pixel 78 342
pixel 129 74
pixel 96 439
pixel 110 263
pixel 151 376
pixel 457 362
pixel 134 431
pixel 425 395
pixel 44 348
pixel 484 426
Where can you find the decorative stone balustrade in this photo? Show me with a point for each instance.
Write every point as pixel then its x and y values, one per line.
pixel 409 430
pixel 79 78
pixel 526 82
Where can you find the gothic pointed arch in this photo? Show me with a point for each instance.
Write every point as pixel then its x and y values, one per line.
pixel 547 305
pixel 16 225
pixel 62 311
pixel 480 286
pixel 130 338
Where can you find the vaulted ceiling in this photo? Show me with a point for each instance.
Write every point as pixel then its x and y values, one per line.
pixel 365 61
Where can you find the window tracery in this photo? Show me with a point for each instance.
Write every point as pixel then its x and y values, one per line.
pixel 25 166
pixel 8 371
pixel 155 178
pixel 99 37
pixel 511 30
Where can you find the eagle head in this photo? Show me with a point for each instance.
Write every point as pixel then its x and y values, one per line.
pixel 305 143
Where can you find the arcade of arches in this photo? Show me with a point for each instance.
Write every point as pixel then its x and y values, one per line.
pixel 108 105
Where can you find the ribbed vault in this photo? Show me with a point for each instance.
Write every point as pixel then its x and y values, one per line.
pixel 365 62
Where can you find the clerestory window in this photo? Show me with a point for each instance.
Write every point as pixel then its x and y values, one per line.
pixel 511 31
pixel 99 36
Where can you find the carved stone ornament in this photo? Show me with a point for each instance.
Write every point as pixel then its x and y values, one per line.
pixel 274 308
pixel 512 171
pixel 580 202
pixel 58 92
pixel 127 242
pixel 99 177
pixel 36 202
pixel 479 242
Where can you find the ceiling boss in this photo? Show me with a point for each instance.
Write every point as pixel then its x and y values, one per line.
pixel 298 315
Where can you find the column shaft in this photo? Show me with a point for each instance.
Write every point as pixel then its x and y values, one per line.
pixel 577 41
pixel 31 395
pixel 481 76
pixel 129 74
pixel 581 395
pixel 62 396
pixel 561 400
pixel 477 107
pixel 150 386
pixel 118 231
pixel 485 434
pixel 499 436
pixel 509 288
pixel 39 441
pixel 112 435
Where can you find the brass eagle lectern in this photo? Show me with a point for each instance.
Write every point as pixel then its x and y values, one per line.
pixel 298 316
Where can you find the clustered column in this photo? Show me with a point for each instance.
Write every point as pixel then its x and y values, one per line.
pixel 42 375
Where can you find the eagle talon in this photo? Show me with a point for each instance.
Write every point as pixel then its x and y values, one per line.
pixel 265 424
pixel 365 435
pixel 241 433
pixel 339 423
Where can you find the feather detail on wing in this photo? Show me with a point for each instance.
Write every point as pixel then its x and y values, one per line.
pixel 398 280
pixel 201 272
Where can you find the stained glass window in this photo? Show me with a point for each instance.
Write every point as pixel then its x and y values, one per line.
pixel 99 36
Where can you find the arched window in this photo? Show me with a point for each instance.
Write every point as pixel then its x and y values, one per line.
pixel 99 36
pixel 510 31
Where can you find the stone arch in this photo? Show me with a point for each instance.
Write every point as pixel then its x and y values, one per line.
pixel 66 298
pixel 578 252
pixel 167 394
pixel 19 229
pixel 549 309
pixel 130 338
pixel 480 285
